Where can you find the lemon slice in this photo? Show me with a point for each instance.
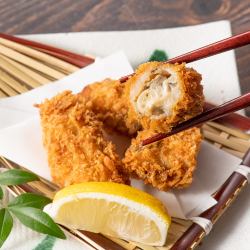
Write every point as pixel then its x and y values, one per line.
pixel 112 209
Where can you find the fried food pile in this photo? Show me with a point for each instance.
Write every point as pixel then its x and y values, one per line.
pixel 156 98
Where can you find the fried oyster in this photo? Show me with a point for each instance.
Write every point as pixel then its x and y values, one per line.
pixel 161 95
pixel 76 148
pixel 166 164
pixel 108 101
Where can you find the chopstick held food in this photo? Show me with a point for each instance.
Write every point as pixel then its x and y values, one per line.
pixel 162 95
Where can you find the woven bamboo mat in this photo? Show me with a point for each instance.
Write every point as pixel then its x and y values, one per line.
pixel 23 68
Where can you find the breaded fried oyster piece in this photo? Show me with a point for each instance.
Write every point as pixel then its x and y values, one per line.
pixel 73 138
pixel 166 164
pixel 108 101
pixel 161 95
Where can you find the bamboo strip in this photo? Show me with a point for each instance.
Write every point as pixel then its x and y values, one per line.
pixel 241 141
pixel 225 142
pixel 90 241
pixel 144 247
pixel 123 243
pixel 222 135
pixel 30 62
pixel 2 94
pixel 233 152
pixel 53 61
pixel 209 128
pixel 8 90
pixel 182 222
pixel 231 131
pixel 12 70
pixel 33 74
pixel 77 237
pixel 50 78
pixel 57 68
pixel 12 82
pixel 170 241
pixel 40 187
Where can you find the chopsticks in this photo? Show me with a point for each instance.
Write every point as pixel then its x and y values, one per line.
pixel 212 49
pixel 209 115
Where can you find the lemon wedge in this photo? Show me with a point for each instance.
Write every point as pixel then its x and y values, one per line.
pixel 112 209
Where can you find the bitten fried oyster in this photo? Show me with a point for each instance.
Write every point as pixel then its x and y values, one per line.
pixel 167 164
pixel 161 95
pixel 76 147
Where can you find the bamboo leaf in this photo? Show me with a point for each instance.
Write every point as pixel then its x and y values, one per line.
pixel 16 177
pixel 1 193
pixel 6 223
pixel 30 200
pixel 37 220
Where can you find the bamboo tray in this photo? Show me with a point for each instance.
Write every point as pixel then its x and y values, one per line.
pixel 25 65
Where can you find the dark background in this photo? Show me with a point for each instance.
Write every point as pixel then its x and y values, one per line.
pixel 50 16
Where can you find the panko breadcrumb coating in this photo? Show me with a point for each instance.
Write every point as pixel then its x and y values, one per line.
pixel 76 148
pixel 108 102
pixel 166 164
pixel 161 95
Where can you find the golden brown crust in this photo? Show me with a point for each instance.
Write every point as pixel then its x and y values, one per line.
pixel 73 138
pixel 189 105
pixel 169 163
pixel 107 100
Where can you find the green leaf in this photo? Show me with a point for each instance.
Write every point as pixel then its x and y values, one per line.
pixel 158 55
pixel 6 223
pixel 16 177
pixel 30 200
pixel 37 220
pixel 1 193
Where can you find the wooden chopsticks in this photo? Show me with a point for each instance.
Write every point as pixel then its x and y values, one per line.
pixel 212 114
pixel 212 49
